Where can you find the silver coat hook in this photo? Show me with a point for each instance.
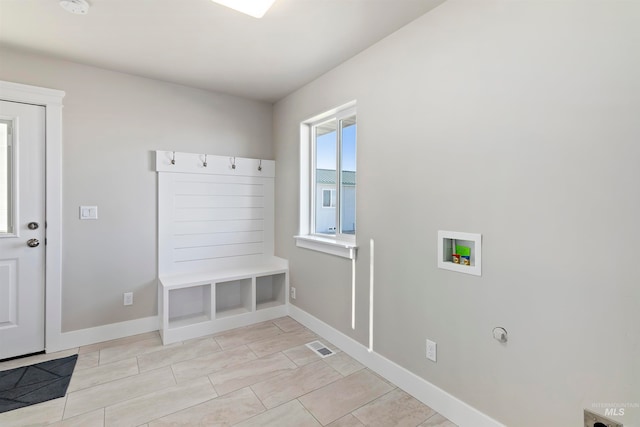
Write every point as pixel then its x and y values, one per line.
pixel 173 158
pixel 205 161
pixel 260 165
pixel 233 162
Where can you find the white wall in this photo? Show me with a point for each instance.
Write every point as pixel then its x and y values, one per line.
pixel 518 120
pixel 112 122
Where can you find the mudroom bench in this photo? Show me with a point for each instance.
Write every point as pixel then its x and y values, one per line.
pixel 216 267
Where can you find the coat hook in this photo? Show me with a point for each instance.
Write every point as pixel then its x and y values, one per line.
pixel 173 158
pixel 205 161
pixel 260 165
pixel 233 162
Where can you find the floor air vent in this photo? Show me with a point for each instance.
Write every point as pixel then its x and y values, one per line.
pixel 321 349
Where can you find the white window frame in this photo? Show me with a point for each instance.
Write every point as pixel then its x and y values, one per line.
pixel 343 245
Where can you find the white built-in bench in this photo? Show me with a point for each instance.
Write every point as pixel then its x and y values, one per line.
pixel 197 304
pixel 216 268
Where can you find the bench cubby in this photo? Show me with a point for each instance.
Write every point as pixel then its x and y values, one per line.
pixel 271 290
pixel 189 305
pixel 234 297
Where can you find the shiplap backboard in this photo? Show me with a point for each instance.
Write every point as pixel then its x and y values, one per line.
pixel 213 217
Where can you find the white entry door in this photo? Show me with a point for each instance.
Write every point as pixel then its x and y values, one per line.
pixel 22 228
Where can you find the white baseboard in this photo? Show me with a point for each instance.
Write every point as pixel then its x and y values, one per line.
pixel 439 400
pixel 105 333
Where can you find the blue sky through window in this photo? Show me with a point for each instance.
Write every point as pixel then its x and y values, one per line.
pixel 326 150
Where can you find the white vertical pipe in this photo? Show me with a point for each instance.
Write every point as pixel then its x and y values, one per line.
pixel 353 290
pixel 371 299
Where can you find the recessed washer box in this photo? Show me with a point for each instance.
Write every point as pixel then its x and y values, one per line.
pixel 447 242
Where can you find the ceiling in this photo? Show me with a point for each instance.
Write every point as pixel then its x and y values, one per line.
pixel 201 44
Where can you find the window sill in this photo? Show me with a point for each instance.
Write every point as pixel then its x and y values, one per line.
pixel 327 245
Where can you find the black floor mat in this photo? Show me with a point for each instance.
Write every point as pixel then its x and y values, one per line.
pixel 37 383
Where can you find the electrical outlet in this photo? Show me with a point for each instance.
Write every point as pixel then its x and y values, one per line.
pixel 293 293
pixel 128 298
pixel 431 350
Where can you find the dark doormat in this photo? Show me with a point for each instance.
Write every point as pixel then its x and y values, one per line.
pixel 37 383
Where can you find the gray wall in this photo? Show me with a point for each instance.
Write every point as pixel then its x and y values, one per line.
pixel 518 120
pixel 112 123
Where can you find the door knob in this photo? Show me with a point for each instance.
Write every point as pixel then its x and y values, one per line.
pixel 33 243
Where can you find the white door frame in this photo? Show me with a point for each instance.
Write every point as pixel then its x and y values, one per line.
pixel 51 99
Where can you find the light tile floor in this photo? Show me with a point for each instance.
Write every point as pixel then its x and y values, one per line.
pixel 259 375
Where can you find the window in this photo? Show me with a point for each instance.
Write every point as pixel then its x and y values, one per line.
pixel 328 181
pixel 328 198
pixel 6 160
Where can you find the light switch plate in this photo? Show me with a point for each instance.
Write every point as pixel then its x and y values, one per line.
pixel 88 212
pixel 431 350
